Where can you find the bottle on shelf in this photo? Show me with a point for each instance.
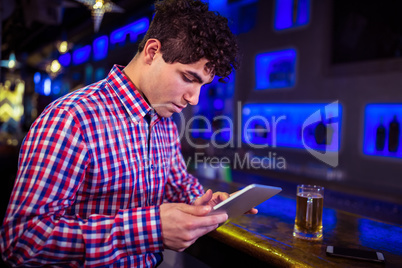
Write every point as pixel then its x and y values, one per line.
pixel 380 136
pixel 323 134
pixel 393 137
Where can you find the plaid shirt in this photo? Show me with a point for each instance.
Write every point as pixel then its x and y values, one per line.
pixel 92 175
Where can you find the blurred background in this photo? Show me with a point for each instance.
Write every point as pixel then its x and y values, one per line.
pixel 319 89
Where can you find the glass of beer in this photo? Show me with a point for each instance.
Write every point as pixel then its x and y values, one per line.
pixel 308 222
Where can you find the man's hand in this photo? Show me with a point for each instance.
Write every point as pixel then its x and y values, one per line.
pixel 183 224
pixel 213 199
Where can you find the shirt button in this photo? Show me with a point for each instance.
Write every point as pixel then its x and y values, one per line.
pixel 152 166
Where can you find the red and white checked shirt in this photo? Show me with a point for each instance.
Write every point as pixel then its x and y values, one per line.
pixel 92 175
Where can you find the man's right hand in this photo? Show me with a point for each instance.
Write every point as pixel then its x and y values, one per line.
pixel 183 224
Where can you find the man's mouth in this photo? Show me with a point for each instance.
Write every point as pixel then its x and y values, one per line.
pixel 179 107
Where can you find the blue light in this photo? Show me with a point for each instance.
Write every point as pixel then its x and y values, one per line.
pixel 99 74
pixel 287 16
pixel 275 69
pixel 380 236
pixel 240 13
pixel 134 29
pixel 65 59
pixel 100 47
pixel 274 207
pixel 298 125
pixel 377 130
pixel 217 5
pixel 303 10
pixel 214 111
pixel 283 14
pixel 56 88
pixel 47 87
pixel 284 208
pixel 81 55
pixel 218 104
pixel 37 77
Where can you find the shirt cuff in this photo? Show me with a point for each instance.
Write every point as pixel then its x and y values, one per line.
pixel 143 230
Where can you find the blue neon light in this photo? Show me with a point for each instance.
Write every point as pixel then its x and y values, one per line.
pixel 47 87
pixel 100 47
pixel 303 12
pixel 224 6
pixel 214 111
pixel 65 59
pixel 382 130
pixel 276 69
pixel 241 13
pixel 217 5
pixel 218 104
pixel 37 77
pixel 134 29
pixel 299 125
pixel 81 55
pixel 283 14
pixel 289 16
pixel 56 87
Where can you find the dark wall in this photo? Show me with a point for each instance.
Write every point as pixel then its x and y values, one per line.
pixel 353 84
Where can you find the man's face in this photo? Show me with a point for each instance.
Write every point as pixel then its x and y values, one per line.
pixel 169 87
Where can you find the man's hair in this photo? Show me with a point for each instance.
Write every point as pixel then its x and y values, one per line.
pixel 188 32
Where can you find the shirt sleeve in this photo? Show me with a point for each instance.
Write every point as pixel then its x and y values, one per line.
pixel 36 231
pixel 181 185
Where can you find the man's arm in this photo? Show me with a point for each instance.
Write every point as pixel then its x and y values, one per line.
pixel 36 230
pixel 181 186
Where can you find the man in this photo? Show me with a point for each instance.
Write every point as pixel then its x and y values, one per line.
pixel 101 179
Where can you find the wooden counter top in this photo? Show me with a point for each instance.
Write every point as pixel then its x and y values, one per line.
pixel 268 237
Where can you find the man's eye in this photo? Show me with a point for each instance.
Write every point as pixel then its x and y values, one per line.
pixel 186 79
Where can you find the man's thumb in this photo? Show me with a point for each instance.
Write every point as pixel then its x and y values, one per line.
pixel 196 210
pixel 204 199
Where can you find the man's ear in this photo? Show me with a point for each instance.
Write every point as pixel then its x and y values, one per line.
pixel 152 46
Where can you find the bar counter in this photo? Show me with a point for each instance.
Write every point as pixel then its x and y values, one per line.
pixel 266 239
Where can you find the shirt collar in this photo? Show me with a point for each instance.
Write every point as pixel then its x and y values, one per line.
pixel 128 95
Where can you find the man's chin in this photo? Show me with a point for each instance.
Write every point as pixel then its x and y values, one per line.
pixel 164 113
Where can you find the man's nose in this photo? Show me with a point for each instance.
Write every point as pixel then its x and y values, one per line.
pixel 192 97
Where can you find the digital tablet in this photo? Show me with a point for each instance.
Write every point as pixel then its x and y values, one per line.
pixel 245 199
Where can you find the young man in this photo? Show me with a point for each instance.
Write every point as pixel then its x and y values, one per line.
pixel 101 179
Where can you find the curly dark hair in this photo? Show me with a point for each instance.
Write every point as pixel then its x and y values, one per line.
pixel 188 32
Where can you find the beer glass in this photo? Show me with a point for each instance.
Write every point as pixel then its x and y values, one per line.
pixel 308 222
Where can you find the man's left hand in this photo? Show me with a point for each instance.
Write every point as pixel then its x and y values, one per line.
pixel 212 199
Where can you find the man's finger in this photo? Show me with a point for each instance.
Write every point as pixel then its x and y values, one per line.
pixel 204 199
pixel 198 218
pixel 209 221
pixel 218 197
pixel 194 210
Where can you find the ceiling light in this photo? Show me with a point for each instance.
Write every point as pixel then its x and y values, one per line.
pixel 99 8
